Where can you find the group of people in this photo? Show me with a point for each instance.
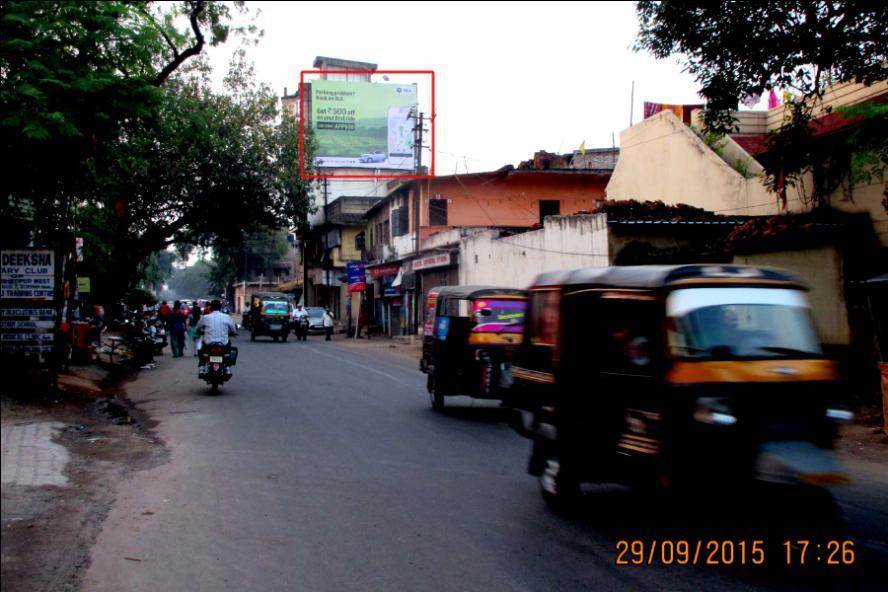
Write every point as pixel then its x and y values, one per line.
pixel 299 313
pixel 210 325
pixel 181 325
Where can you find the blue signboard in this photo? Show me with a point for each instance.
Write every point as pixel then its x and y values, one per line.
pixel 357 279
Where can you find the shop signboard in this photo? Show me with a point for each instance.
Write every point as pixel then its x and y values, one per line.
pixel 432 261
pixel 357 278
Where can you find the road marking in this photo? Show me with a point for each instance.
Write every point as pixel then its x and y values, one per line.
pixel 374 370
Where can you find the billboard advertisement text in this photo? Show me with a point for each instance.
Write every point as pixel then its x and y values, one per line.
pixel 363 124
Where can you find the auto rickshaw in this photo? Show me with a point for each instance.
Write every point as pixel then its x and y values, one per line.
pixel 270 315
pixel 674 375
pixel 470 335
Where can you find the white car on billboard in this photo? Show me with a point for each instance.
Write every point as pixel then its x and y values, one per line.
pixel 372 156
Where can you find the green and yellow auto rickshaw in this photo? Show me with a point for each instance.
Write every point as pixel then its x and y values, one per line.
pixel 270 315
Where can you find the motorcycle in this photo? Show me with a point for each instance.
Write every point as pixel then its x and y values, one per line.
pixel 302 328
pixel 216 360
pixel 158 334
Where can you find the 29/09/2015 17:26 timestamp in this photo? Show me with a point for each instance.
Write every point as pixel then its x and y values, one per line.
pixel 726 552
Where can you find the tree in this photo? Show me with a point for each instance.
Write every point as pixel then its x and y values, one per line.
pixel 736 50
pixel 111 126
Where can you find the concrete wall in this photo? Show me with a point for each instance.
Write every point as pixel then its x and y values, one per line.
pixel 564 242
pixel 662 158
pixel 496 199
pixel 821 269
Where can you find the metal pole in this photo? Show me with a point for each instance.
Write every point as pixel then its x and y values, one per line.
pixel 631 103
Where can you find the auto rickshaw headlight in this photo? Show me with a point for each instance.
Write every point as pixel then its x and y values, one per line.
pixel 839 415
pixel 713 412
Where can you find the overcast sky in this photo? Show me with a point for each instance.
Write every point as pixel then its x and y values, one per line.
pixel 512 78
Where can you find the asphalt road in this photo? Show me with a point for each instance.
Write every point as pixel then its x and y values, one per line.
pixel 322 467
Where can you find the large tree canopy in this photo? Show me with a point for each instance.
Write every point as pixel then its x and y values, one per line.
pixel 113 132
pixel 736 50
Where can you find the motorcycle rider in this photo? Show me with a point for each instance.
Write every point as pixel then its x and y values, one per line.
pixel 300 320
pixel 216 327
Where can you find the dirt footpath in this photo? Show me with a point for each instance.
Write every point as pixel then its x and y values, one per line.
pixel 61 460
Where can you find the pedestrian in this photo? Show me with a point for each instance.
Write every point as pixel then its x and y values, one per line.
pixel 328 324
pixel 193 320
pixel 163 313
pixel 177 330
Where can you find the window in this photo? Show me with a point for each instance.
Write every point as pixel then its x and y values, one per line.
pixel 630 336
pixel 549 207
pixel 386 237
pixel 544 316
pixel 400 224
pixel 437 212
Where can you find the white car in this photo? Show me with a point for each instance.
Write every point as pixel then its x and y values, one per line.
pixel 374 156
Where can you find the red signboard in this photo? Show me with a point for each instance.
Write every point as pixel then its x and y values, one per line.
pixel 383 270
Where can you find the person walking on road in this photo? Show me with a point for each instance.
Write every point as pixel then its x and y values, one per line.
pixel 328 324
pixel 193 320
pixel 177 330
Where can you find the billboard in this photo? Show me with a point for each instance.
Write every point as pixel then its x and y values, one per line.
pixel 28 273
pixel 363 124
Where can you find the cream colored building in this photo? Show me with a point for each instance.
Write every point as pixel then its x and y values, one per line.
pixel 663 159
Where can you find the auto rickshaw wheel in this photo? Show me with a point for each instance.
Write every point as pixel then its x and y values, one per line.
pixel 435 396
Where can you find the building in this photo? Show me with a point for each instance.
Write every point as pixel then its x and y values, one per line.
pixel 266 264
pixel 412 236
pixel 664 159
pixel 639 233
pixel 330 241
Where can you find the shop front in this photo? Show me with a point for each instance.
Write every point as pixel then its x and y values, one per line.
pixel 431 271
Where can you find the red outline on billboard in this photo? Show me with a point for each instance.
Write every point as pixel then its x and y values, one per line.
pixel 302 175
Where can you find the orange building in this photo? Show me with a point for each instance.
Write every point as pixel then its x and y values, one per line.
pixel 411 238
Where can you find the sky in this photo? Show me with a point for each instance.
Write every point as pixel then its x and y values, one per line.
pixel 511 78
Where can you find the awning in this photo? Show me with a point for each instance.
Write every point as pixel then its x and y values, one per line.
pixel 397 281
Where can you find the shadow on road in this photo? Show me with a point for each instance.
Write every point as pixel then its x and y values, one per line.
pixel 478 414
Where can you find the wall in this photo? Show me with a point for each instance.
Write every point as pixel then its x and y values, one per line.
pixel 821 269
pixel 510 199
pixel 661 158
pixel 564 242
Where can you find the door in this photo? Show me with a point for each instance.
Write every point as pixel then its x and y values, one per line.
pixel 612 356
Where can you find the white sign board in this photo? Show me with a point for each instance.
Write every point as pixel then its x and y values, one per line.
pixel 27 274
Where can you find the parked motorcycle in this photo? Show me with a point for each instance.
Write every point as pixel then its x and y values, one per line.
pixel 158 334
pixel 216 360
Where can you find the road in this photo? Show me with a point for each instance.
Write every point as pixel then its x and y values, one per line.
pixel 322 467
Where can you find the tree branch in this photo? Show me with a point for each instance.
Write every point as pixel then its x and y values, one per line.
pixel 196 9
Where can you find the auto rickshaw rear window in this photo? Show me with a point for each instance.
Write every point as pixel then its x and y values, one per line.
pixel 499 316
pixel 274 308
